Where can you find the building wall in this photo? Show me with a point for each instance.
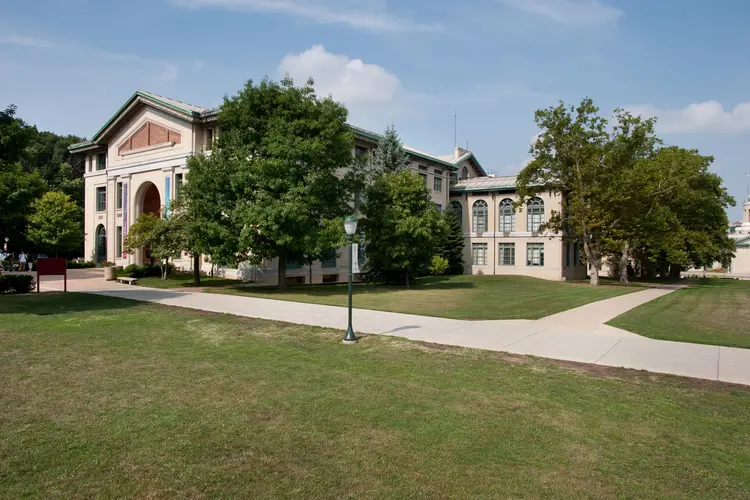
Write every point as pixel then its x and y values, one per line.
pixel 741 262
pixel 554 267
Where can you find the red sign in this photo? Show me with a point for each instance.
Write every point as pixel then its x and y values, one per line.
pixel 52 267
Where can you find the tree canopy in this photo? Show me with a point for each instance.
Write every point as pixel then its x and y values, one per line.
pixel 55 222
pixel 271 186
pixel 626 196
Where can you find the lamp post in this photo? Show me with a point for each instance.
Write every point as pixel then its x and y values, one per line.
pixel 350 226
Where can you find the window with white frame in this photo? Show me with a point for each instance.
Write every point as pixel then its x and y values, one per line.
pixel 119 199
pixel 506 254
pixel 507 216
pixel 101 199
pixel 534 214
pixel 479 216
pixel 456 206
pixel 438 184
pixel 479 254
pixel 535 254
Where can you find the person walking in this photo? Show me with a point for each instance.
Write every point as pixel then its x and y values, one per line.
pixel 22 261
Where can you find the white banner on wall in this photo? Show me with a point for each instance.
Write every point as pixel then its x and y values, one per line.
pixel 355 258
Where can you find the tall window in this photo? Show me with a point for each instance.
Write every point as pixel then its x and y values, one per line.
pixel 118 242
pixel 438 207
pixel 438 184
pixel 535 254
pixel 209 139
pixel 567 254
pixel 456 206
pixel 119 197
pixel 479 254
pixel 464 173
pixel 101 199
pixel 506 254
pixel 454 177
pixel 576 254
pixel 507 216
pixel 534 214
pixel 424 177
pixel 102 161
pixel 329 258
pixel 479 213
pixel 177 185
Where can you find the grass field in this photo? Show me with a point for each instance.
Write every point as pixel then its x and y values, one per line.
pixel 184 280
pixel 103 397
pixel 457 297
pixel 710 311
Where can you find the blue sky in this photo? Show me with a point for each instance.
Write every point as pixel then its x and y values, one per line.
pixel 68 65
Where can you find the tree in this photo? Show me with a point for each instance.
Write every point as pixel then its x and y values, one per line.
pixel 55 222
pixel 389 156
pixel 163 236
pixel 576 155
pixel 17 188
pixel 271 184
pixel 451 245
pixel 402 227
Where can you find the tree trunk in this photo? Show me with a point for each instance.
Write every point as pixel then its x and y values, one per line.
pixel 593 262
pixel 282 269
pixel 624 263
pixel 310 268
pixel 164 267
pixel 407 279
pixel 197 268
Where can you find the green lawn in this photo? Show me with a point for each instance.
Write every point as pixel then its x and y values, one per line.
pixel 710 311
pixel 103 397
pixel 184 280
pixel 457 297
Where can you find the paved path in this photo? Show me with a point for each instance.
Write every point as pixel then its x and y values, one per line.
pixel 574 335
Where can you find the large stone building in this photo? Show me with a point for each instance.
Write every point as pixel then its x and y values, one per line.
pixel 137 162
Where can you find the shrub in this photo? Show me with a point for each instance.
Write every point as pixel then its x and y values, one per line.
pixel 136 271
pixel 17 283
pixel 439 265
pixel 72 264
pixel 107 263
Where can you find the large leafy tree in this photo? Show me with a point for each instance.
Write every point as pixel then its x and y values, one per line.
pixel 165 238
pixel 18 189
pixel 576 154
pixel 389 156
pixel 55 222
pixel 401 226
pixel 271 185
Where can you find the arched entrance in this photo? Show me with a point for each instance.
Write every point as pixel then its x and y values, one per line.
pixel 101 243
pixel 147 201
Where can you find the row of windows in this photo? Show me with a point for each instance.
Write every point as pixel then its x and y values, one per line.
pixel 101 194
pixel 507 215
pixel 506 254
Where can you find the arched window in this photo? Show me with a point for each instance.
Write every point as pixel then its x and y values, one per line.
pixel 101 244
pixel 507 216
pixel 479 212
pixel 534 214
pixel 456 206
pixel 464 173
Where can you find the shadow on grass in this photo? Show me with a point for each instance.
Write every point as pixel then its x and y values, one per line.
pixel 52 303
pixel 342 289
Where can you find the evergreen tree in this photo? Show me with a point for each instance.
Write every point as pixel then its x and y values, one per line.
pixel 402 227
pixel 389 156
pixel 452 242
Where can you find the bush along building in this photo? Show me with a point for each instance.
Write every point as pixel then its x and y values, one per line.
pixel 137 163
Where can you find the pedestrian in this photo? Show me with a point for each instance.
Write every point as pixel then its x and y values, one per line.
pixel 22 261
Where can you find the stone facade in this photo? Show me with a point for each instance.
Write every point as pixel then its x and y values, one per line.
pixel 137 162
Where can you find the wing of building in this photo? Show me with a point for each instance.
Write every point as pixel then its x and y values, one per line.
pixel 740 233
pixel 136 163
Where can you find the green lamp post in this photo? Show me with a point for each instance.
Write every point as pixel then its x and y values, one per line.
pixel 350 226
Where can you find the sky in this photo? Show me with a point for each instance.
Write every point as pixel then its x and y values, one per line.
pixel 68 65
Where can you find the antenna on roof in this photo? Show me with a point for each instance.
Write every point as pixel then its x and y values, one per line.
pixel 467 145
pixel 455 127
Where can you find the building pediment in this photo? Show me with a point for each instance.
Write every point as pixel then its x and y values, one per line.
pixel 150 135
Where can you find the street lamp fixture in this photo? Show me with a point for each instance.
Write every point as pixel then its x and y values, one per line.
pixel 350 227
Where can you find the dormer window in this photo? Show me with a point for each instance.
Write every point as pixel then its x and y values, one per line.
pixel 464 173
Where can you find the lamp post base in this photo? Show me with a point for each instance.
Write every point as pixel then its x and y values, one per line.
pixel 350 338
pixel 349 342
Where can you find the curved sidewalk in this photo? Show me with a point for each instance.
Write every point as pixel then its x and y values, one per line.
pixel 575 335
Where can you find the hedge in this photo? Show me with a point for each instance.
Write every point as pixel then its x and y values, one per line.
pixel 136 271
pixel 17 283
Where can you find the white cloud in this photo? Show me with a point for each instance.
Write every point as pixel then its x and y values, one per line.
pixel 155 68
pixel 708 116
pixel 351 81
pixel 198 64
pixel 370 17
pixel 569 11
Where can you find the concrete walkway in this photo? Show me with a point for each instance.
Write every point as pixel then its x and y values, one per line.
pixel 574 335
